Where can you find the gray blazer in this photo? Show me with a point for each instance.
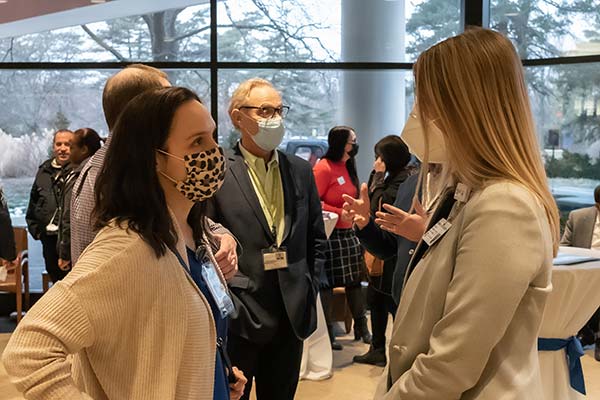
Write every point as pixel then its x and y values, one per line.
pixel 468 320
pixel 580 228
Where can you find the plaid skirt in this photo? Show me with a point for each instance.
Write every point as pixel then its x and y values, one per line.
pixel 345 262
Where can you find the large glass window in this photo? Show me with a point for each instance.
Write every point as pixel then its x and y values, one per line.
pixel 566 106
pixel 543 29
pixel 332 30
pixel 170 35
pixel 36 103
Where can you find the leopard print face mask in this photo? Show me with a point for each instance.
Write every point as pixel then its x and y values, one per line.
pixel 205 172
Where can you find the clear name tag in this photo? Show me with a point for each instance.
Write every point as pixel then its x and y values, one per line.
pixel 436 232
pixel 217 289
pixel 275 258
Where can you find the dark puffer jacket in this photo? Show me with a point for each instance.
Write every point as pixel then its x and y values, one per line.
pixel 43 200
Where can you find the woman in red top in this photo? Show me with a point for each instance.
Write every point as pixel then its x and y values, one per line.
pixel 336 175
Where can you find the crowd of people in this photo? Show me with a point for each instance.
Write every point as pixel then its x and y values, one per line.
pixel 183 271
pixel 49 211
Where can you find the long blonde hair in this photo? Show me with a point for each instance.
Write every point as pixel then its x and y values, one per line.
pixel 472 87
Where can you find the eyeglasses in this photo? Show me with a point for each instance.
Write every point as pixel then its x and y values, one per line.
pixel 269 112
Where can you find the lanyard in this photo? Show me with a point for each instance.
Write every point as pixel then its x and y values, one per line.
pixel 221 342
pixel 269 201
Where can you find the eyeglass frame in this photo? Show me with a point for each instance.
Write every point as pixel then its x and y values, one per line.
pixel 281 111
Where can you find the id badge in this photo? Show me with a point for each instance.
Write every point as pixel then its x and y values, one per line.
pixel 436 232
pixel 462 193
pixel 217 289
pixel 275 258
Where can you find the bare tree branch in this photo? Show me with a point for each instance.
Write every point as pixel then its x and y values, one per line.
pixel 229 15
pixel 206 28
pixel 103 44
pixel 285 31
pixel 9 50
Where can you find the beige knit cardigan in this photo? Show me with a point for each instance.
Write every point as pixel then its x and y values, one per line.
pixel 123 324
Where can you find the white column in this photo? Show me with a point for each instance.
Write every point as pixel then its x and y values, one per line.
pixel 373 102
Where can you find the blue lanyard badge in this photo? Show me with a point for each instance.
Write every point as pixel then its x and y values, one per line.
pixel 217 288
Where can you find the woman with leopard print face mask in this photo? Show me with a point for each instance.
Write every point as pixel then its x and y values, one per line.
pixel 144 310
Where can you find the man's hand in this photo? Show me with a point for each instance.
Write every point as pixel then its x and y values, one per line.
pixel 227 255
pixel 64 265
pixel 237 388
pixel 401 223
pixel 359 209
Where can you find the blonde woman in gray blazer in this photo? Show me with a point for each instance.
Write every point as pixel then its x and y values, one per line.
pixel 475 290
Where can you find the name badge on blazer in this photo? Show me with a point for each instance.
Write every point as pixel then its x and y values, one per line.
pixel 436 232
pixel 462 193
pixel 274 258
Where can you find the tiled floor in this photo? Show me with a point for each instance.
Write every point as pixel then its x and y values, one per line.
pixel 349 382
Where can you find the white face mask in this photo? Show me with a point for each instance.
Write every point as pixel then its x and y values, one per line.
pixel 414 137
pixel 270 133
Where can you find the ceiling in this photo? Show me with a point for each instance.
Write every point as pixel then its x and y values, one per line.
pixel 21 17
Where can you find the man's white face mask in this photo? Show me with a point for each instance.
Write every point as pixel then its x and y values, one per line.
pixel 414 137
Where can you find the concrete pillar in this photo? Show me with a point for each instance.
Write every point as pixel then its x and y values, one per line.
pixel 373 102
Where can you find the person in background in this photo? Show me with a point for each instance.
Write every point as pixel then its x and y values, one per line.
pixel 118 91
pixel 269 201
pixel 583 230
pixel 85 143
pixel 43 211
pixel 7 237
pixel 143 313
pixel 389 171
pixel 336 176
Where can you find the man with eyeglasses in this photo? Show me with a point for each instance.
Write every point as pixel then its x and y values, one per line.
pixel 269 201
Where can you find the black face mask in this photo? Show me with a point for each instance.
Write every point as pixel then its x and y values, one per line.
pixel 354 151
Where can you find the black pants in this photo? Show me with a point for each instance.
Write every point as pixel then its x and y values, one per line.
pixel 50 253
pixel 381 305
pixel 274 365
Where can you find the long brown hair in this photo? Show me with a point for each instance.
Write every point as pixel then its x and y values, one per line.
pixel 472 87
pixel 127 190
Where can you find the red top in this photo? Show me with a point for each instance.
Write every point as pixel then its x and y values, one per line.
pixel 333 180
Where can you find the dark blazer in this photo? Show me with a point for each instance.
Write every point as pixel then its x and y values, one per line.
pixel 263 298
pixel 384 244
pixel 385 191
pixel 580 228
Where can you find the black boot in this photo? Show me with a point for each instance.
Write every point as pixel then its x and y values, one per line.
pixel 361 330
pixel 372 357
pixel 335 345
